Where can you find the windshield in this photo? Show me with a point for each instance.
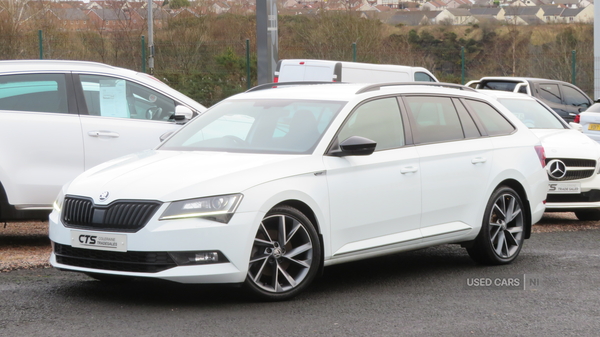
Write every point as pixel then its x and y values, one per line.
pixel 532 113
pixel 258 126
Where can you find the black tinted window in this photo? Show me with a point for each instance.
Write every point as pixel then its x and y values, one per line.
pixel 550 92
pixel 493 121
pixel 436 119
pixel 34 92
pixel 498 85
pixel 573 97
pixel 469 127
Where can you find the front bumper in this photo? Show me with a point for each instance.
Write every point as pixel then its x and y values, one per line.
pixel 154 242
pixel 573 202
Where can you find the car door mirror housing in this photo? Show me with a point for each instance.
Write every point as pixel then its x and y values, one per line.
pixel 576 126
pixel 183 113
pixel 355 146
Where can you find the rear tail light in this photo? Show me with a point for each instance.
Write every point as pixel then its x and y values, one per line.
pixel 577 119
pixel 276 79
pixel 541 154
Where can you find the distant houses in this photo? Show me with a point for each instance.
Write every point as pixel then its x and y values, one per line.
pixel 132 15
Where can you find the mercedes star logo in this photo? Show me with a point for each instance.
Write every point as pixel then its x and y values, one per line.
pixel 556 169
pixel 103 195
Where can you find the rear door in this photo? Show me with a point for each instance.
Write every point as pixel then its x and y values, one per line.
pixel 455 164
pixel 40 137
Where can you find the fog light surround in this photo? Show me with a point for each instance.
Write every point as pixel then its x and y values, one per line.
pixel 198 258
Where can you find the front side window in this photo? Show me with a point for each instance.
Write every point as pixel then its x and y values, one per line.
pixel 436 119
pixel 378 120
pixel 34 92
pixel 258 126
pixel 423 77
pixel 492 120
pixel 573 97
pixel 115 97
pixel 550 92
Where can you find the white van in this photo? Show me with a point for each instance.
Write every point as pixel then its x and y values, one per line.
pixel 337 71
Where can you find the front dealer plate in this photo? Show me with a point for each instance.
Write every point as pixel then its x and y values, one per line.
pixel 564 188
pixel 99 241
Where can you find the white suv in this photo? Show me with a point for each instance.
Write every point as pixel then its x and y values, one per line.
pixel 269 186
pixel 572 158
pixel 59 118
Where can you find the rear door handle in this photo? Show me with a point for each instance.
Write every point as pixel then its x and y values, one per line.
pixel 478 160
pixel 99 133
pixel 408 169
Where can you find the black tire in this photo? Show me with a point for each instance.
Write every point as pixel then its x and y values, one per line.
pixel 112 279
pixel 502 230
pixel 588 215
pixel 285 256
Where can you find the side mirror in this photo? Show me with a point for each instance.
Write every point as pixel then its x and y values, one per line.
pixel 183 113
pixel 576 126
pixel 355 146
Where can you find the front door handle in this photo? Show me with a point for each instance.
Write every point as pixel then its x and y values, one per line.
pixel 408 169
pixel 478 160
pixel 99 133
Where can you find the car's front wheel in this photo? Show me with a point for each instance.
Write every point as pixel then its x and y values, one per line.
pixel 285 255
pixel 502 231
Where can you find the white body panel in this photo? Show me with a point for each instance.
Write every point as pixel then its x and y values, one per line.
pixel 353 72
pixel 40 152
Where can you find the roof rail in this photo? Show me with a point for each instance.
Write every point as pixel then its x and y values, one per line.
pixel 281 84
pixel 378 86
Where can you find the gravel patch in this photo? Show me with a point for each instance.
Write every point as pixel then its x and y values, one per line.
pixel 25 245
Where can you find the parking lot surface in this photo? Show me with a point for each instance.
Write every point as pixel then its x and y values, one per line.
pixel 550 290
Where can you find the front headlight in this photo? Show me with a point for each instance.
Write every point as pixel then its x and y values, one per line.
pixel 60 199
pixel 218 208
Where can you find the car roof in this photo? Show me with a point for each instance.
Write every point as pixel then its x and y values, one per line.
pixel 348 91
pixel 57 65
pixel 518 79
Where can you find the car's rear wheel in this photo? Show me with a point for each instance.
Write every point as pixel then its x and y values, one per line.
pixel 588 215
pixel 502 231
pixel 285 255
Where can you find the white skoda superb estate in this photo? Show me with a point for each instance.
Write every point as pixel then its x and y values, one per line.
pixel 270 186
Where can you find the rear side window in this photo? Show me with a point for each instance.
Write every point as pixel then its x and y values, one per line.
pixel 550 92
pixel 492 120
pixel 34 92
pixel 436 119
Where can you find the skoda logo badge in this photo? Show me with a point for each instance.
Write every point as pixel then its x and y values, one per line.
pixel 556 169
pixel 104 195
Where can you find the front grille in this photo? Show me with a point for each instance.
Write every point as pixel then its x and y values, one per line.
pixel 140 262
pixel 576 168
pixel 119 216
